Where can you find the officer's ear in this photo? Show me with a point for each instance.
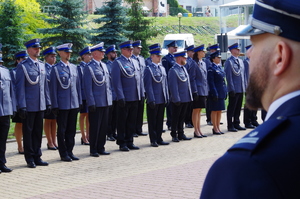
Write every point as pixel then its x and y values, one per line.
pixel 282 57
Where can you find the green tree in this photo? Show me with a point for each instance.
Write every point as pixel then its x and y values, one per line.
pixel 142 28
pixel 68 26
pixel 175 8
pixel 114 19
pixel 11 30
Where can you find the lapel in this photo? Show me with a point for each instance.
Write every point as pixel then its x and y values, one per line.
pixel 33 66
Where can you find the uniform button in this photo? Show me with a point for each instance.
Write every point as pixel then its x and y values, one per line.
pixel 279 118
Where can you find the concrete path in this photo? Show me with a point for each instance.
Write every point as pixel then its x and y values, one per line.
pixel 174 171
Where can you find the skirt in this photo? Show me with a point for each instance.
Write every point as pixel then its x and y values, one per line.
pixel 200 102
pixel 84 108
pixel 218 105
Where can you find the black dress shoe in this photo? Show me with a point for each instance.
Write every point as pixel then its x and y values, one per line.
pixel 175 139
pixel 94 154
pixel 20 152
pixel 3 168
pixel 124 148
pixel 133 147
pixel 216 133
pixel 84 143
pixel 135 135
pixel 142 134
pixel 221 132
pixel 232 129
pixel 169 128
pixel 209 123
pixel 31 165
pixel 154 144
pixel 111 138
pixel 51 148
pixel 184 138
pixel 163 131
pixel 204 136
pixel 41 163
pixel 221 123
pixel 250 126
pixel 189 125
pixel 197 136
pixel 103 153
pixel 73 157
pixel 66 159
pixel 239 128
pixel 255 124
pixel 163 143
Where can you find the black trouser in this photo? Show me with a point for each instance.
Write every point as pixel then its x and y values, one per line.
pixel 155 122
pixel 234 109
pixel 4 128
pixel 126 123
pixel 249 116
pixel 188 115
pixel 66 130
pixel 112 119
pixel 169 114
pixel 32 135
pixel 208 109
pixel 178 115
pixel 98 128
pixel 140 117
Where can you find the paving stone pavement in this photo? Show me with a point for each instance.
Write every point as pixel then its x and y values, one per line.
pixel 174 171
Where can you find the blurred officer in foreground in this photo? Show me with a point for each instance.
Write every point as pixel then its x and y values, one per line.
pixel 235 74
pixel 168 61
pixel 250 118
pixel 111 54
pixel 50 119
pixel 33 99
pixel 7 108
pixel 19 56
pixel 85 57
pixel 137 47
pixel 180 95
pixel 208 63
pixel 66 99
pixel 99 97
pixel 265 163
pixel 126 80
pixel 189 62
pixel 156 87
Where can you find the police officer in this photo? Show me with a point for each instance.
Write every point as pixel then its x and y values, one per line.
pixel 50 119
pixel 250 118
pixel 7 108
pixel 65 90
pixel 85 57
pixel 211 49
pixel 137 47
pixel 168 61
pixel 33 99
pixel 126 80
pixel 19 56
pixel 199 86
pixel 156 87
pixel 235 73
pixel 189 61
pixel 99 97
pixel 180 95
pixel 265 163
pixel 148 60
pixel 111 54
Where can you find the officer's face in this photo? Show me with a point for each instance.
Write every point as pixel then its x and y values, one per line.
pixel 112 55
pixel 87 57
pixel 172 50
pixel 259 68
pixel 190 53
pixel 201 54
pixel 127 52
pixel 235 52
pixel 34 52
pixel 65 55
pixel 217 60
pixel 50 59
pixel 137 50
pixel 155 58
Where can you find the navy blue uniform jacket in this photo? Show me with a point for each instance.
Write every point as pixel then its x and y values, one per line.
pixel 262 165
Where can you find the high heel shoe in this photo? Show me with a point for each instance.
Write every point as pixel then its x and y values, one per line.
pixel 84 143
pixel 197 136
pixel 216 133
pixel 51 148
pixel 20 152
pixel 204 136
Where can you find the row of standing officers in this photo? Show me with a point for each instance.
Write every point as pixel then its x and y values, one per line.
pixel 107 91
